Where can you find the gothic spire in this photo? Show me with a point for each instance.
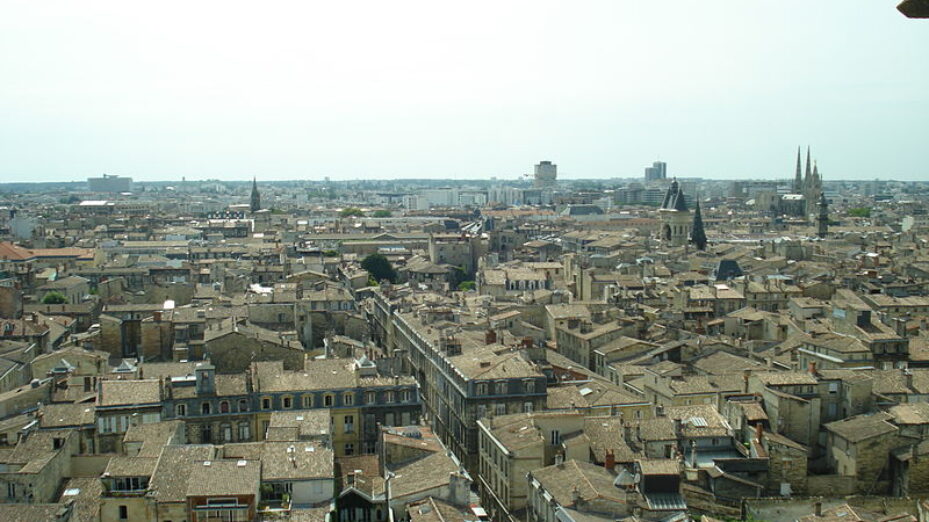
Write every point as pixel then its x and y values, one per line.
pixel 798 178
pixel 697 234
pixel 255 204
pixel 809 173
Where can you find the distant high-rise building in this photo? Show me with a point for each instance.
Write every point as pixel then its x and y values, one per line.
pixel 255 204
pixel 109 183
pixel 658 170
pixel 546 174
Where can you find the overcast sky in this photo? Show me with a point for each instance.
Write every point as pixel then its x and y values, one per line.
pixel 388 89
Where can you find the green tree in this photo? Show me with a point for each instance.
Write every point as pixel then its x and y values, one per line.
pixel 331 253
pixel 381 213
pixel 54 298
pixel 863 212
pixel 351 212
pixel 379 268
pixel 466 286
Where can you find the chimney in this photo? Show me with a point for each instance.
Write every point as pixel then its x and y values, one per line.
pixel 559 460
pixel 759 432
pixel 490 336
pixel 746 375
pixel 908 375
pixel 156 316
pixel 811 367
pixel 818 509
pixel 609 462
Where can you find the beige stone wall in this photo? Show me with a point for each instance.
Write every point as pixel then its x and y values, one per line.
pixel 157 340
pixel 110 339
pixel 789 465
pixel 233 353
pixel 137 508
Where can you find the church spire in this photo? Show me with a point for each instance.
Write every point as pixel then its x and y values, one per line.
pixel 798 178
pixel 255 204
pixel 697 234
pixel 808 171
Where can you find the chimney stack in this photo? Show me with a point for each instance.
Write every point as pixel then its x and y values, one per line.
pixel 490 336
pixel 759 432
pixel 812 367
pixel 818 509
pixel 609 462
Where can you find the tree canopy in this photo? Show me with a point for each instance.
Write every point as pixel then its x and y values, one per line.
pixel 351 211
pixel 379 268
pixel 54 298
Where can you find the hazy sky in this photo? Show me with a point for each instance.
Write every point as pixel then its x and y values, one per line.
pixel 385 89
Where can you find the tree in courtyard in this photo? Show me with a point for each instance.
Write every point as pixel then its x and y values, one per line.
pixel 379 268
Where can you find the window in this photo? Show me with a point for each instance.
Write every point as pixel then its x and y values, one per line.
pixel 288 402
pixel 205 408
pixel 224 407
pixel 555 437
pixel 501 408
pixel 227 433
pixel 243 405
pixel 244 431
pixel 370 397
pixel 388 419
pixel 266 403
pixel 389 397
pixel 349 449
pixel 307 401
pixel 407 396
pixel 349 424
pixel 529 385
pixel 527 407
pixel 482 388
pixel 130 484
pixel 180 410
pixel 123 512
pixel 327 401
pixel 348 399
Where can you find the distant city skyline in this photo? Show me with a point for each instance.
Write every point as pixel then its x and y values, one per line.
pixel 717 89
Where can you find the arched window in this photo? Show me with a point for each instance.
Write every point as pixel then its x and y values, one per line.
pixel 224 407
pixel 243 405
pixel 205 408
